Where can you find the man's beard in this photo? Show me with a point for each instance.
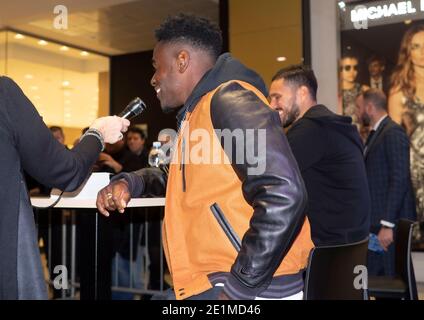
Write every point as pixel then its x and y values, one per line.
pixel 292 115
pixel 366 120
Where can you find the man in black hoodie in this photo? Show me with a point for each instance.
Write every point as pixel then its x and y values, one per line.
pixel 328 150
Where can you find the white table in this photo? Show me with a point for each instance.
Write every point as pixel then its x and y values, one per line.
pixel 73 203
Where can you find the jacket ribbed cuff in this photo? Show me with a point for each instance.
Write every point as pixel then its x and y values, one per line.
pixel 135 183
pixel 235 290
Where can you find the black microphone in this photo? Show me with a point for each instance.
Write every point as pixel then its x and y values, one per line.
pixel 133 109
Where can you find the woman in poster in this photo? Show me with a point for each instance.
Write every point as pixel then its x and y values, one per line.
pixel 350 89
pixel 406 104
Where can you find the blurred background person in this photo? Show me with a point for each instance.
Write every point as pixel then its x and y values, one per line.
pixel 27 144
pixel 58 134
pixel 406 107
pixel 387 164
pixel 377 77
pixel 137 157
pixel 349 90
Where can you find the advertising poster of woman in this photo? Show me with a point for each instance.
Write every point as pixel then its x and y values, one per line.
pixel 383 42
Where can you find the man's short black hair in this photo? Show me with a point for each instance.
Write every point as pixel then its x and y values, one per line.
pixel 376 58
pixel 198 32
pixel 299 75
pixel 349 55
pixel 56 129
pixel 138 131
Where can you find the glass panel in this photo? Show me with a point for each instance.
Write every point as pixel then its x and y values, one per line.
pixel 3 35
pixel 62 82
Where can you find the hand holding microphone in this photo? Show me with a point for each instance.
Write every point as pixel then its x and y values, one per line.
pixel 112 127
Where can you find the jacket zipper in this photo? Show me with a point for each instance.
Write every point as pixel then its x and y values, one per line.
pixel 182 165
pixel 226 227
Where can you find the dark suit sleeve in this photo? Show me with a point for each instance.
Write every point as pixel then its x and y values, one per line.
pixel 41 155
pixel 396 146
pixel 307 141
pixel 276 192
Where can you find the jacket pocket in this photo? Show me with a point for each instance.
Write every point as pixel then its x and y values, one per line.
pixel 226 227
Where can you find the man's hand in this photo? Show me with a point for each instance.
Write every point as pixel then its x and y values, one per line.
pixel 113 197
pixel 385 236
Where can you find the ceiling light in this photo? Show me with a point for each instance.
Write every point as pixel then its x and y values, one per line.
pixel 342 5
pixel 28 76
pixel 408 21
pixel 19 36
pixel 84 53
pixel 281 59
pixel 42 43
pixel 64 48
pixel 66 83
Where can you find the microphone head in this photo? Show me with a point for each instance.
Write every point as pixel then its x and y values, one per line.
pixel 133 109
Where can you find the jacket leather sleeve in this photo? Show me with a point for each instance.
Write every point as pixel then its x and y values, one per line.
pixel 146 182
pixel 277 193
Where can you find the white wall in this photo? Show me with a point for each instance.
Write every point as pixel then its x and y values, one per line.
pixel 325 48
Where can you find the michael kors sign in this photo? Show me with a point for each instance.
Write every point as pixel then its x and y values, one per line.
pixel 381 12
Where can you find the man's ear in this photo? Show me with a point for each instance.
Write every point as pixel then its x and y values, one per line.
pixel 183 61
pixel 368 107
pixel 302 93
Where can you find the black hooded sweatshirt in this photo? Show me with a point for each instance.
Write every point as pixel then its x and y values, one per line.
pixel 329 153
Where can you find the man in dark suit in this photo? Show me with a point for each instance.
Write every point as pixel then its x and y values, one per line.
pixel 387 163
pixel 377 74
pixel 328 150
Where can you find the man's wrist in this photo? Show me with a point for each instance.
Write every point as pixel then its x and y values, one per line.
pixel 387 224
pixel 124 181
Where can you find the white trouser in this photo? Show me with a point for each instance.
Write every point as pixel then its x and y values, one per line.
pixel 296 296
